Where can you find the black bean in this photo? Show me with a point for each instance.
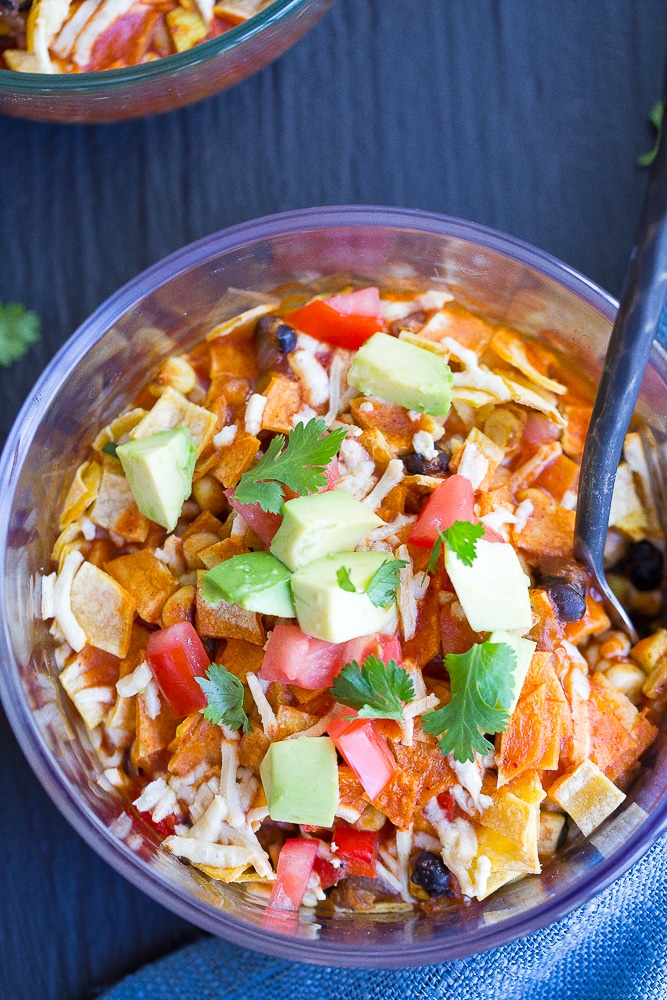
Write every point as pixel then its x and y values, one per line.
pixel 569 602
pixel 286 338
pixel 273 340
pixel 430 872
pixel 416 465
pixel 644 565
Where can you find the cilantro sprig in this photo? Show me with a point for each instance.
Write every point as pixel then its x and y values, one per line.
pixel 382 586
pixel 298 463
pixel 461 538
pixel 482 689
pixel 377 690
pixel 19 329
pixel 224 694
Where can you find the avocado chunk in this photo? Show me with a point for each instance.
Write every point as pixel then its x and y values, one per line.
pixel 493 591
pixel 300 779
pixel 524 649
pixel 326 611
pixel 402 373
pixel 255 580
pixel 317 525
pixel 159 471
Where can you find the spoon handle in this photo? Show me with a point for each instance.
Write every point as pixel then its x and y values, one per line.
pixel 637 321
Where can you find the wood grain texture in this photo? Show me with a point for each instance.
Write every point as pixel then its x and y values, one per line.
pixel 527 117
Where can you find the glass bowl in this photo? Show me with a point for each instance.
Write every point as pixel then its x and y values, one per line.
pixel 164 311
pixel 165 84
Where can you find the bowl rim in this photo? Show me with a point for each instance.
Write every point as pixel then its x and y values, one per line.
pixel 33 744
pixel 80 84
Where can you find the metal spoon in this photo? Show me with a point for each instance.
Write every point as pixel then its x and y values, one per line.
pixel 641 306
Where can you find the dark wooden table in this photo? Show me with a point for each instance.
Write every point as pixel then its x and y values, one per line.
pixel 527 117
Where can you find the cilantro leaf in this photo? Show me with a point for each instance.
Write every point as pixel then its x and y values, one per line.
pixel 461 537
pixel 375 689
pixel 383 584
pixel 224 694
pixel 111 448
pixel 655 117
pixel 297 463
pixel 19 328
pixel 344 582
pixel 481 683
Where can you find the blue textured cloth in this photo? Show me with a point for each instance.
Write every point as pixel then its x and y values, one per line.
pixel 614 948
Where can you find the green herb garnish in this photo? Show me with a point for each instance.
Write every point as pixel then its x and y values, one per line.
pixel 382 586
pixel 377 690
pixel 482 690
pixel 19 328
pixel 655 118
pixel 461 538
pixel 111 448
pixel 297 463
pixel 224 694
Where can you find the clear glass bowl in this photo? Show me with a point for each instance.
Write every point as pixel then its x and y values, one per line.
pixel 166 84
pixel 163 311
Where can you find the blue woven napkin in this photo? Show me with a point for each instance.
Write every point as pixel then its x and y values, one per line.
pixel 613 948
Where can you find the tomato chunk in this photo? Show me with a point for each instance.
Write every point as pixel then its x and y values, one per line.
pixel 366 751
pixel 176 657
pixel 295 863
pixel 344 320
pixel 328 873
pixel 292 657
pixel 262 522
pixel 452 501
pixel 357 849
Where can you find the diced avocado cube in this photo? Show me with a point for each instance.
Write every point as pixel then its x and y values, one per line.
pixel 255 580
pixel 524 649
pixel 326 611
pixel 300 779
pixel 317 525
pixel 402 373
pixel 493 591
pixel 159 471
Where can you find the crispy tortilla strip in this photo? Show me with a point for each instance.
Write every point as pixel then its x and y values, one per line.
pixel 528 472
pixel 227 621
pixel 292 720
pixel 252 748
pixel 90 681
pixel 242 658
pixel 421 773
pixel 454 320
pixel 534 399
pixel 559 478
pixel 283 401
pixel 509 346
pixel 232 356
pixel 219 551
pixel 103 609
pixel 391 420
pixel 547 630
pixel 619 733
pixel 150 750
pixel 248 315
pixel 578 417
pixel 236 458
pixel 174 410
pixel 515 815
pixel 532 740
pixel 627 511
pixel 196 740
pixel 119 429
pixel 146 579
pixel 115 508
pixel 549 530
pixel 81 493
pixel 595 620
pixel 238 11
pixel 425 643
pixel 587 795
pixel 122 719
pixel 477 459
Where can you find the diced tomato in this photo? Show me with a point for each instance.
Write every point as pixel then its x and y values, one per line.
pixel 344 320
pixel 328 874
pixel 176 657
pixel 366 751
pixel 292 657
pixel 451 501
pixel 262 522
pixel 357 849
pixel 446 803
pixel 332 473
pixel 295 863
